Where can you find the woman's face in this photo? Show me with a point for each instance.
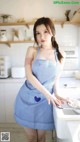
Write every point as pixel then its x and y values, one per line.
pixel 43 35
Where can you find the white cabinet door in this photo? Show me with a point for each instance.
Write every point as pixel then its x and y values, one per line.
pixel 2 102
pixel 11 93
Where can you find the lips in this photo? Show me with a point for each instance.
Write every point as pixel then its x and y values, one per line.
pixel 42 40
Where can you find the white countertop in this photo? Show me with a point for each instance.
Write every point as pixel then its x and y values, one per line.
pixel 69 82
pixel 61 115
pixel 7 80
pixel 66 82
pixel 67 125
pixel 74 130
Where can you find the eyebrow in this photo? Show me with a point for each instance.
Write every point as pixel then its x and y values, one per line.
pixel 37 31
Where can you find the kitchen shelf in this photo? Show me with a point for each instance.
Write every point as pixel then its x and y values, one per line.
pixel 76 18
pixel 13 42
pixel 15 24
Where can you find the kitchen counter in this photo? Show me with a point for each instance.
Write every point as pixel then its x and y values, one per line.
pixel 7 80
pixel 67 122
pixel 69 82
pixel 65 82
pixel 74 130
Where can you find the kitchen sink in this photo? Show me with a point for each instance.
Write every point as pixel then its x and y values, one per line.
pixel 69 112
pixel 67 123
pixel 67 120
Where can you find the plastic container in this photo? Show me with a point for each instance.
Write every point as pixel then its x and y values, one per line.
pixel 17 72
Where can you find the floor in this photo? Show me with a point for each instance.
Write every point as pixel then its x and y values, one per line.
pixel 19 135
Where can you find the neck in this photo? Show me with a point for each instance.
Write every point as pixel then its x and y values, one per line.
pixel 47 48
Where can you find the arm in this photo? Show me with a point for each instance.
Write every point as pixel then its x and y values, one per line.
pixel 56 85
pixel 32 79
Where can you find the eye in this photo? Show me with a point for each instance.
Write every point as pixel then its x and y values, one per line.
pixel 45 31
pixel 37 33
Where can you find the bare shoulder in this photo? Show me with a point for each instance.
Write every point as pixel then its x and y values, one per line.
pixel 31 51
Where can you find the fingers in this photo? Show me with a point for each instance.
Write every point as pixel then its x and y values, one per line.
pixel 53 103
pixel 51 100
pixel 56 101
pixel 63 100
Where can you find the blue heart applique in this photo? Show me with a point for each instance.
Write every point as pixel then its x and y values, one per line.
pixel 37 99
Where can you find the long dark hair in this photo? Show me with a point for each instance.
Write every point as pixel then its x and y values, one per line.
pixel 48 23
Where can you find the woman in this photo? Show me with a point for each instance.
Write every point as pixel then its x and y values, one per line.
pixel 39 94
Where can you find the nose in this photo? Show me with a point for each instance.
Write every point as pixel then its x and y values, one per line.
pixel 42 36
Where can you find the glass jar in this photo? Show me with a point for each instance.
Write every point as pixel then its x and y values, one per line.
pixel 3 35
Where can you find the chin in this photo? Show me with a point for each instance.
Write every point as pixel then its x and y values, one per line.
pixel 43 44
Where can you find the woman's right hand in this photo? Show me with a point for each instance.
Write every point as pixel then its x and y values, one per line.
pixel 54 100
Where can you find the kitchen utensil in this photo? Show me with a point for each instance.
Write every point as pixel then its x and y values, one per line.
pixel 74 103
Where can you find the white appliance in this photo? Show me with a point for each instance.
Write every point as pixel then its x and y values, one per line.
pixel 4 66
pixel 70 51
pixel 17 72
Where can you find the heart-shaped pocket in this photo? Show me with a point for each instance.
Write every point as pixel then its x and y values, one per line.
pixel 37 99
